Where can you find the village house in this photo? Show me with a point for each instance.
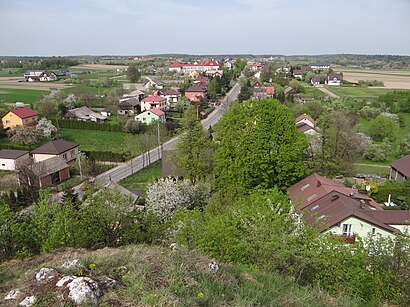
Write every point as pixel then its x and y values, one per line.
pixel 199 67
pixel 400 169
pixel 39 75
pixel 214 73
pixel 10 158
pixel 302 100
pixel 84 114
pixel 195 93
pixel 305 124
pixel 153 114
pixel 150 83
pixel 67 151
pixel 346 212
pixel 261 91
pixel 153 101
pixel 298 73
pixel 171 95
pixel 24 117
pixel 128 106
pixel 333 79
pixel 319 66
pixel 315 81
pixel 289 91
pixel 202 81
pixel 45 173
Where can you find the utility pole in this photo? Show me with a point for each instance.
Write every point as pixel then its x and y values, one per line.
pixel 79 165
pixel 159 141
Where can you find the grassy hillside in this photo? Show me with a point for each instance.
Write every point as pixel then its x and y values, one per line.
pixel 159 276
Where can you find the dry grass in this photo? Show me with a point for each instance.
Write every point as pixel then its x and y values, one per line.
pixel 157 276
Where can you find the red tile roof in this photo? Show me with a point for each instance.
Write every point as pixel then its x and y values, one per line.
pixel 196 88
pixel 24 112
pixel 314 187
pixel 270 90
pixel 176 65
pixel 157 112
pixel 304 116
pixel 154 98
pixel 211 62
pixel 392 217
pixel 402 165
pixel 336 207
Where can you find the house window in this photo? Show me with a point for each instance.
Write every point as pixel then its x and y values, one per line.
pixel 373 231
pixel 7 121
pixel 347 230
pixel 305 187
pixel 72 153
pixel 3 164
pixel 65 156
pixel 311 197
pixel 314 208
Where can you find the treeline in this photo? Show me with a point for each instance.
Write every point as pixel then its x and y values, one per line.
pixel 40 63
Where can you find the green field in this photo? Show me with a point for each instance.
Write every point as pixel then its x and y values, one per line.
pixel 119 142
pixel 11 72
pixel 140 180
pixel 28 96
pixel 358 92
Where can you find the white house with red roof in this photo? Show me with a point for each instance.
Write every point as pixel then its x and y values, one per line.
pixel 190 67
pixel 153 101
pixel 306 124
pixel 154 114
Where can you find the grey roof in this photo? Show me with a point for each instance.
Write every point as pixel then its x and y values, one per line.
pixel 196 88
pixel 48 166
pixel 55 147
pixel 12 154
pixel 131 102
pixel 84 113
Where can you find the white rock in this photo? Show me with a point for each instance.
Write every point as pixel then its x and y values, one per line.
pixel 174 246
pixel 72 264
pixel 84 290
pixel 64 280
pixel 28 301
pixel 45 273
pixel 12 295
pixel 213 266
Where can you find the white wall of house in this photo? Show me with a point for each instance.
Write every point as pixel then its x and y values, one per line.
pixel 360 228
pixel 402 228
pixel 333 81
pixel 307 122
pixel 148 117
pixel 10 164
pixel 67 156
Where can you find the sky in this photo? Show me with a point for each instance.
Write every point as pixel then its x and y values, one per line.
pixel 140 27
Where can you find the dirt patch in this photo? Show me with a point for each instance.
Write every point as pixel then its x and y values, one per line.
pixel 100 66
pixel 327 92
pixel 14 82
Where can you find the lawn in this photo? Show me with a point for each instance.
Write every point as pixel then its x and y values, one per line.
pixel 313 92
pixel 118 142
pixel 23 95
pixel 358 92
pixel 372 169
pixel 141 179
pixel 11 72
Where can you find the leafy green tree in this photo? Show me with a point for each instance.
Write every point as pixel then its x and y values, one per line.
pixel 257 145
pixel 404 148
pixel 133 73
pixel 213 88
pixel 192 154
pixel 337 147
pixel 383 127
pixel 264 76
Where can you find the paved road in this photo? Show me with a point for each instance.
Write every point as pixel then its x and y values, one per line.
pixel 124 170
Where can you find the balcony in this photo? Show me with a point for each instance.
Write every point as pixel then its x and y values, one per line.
pixel 347 238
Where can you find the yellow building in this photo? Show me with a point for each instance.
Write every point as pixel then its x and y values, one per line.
pixel 20 117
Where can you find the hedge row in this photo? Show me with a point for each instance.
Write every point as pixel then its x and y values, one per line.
pixel 77 124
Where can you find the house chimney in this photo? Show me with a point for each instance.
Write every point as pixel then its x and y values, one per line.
pixel 334 197
pixel 319 183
